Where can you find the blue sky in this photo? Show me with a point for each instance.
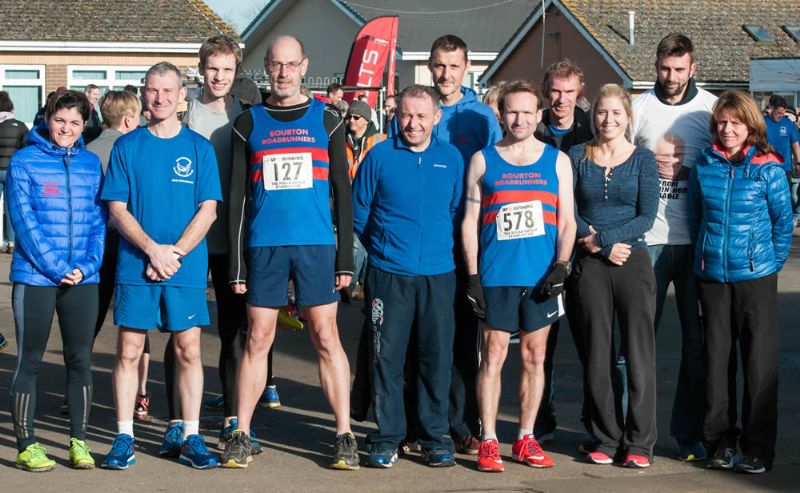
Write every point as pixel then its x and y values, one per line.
pixel 241 12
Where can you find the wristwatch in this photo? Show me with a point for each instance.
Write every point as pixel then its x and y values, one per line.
pixel 566 264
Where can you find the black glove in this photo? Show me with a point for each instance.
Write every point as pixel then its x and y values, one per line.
pixel 475 296
pixel 554 284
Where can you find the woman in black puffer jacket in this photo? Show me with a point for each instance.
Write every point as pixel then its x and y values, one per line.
pixel 12 137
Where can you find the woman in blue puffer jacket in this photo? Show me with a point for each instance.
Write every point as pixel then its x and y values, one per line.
pixel 54 201
pixel 742 225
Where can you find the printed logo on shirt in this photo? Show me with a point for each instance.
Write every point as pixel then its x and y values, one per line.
pixel 784 131
pixel 437 165
pixel 50 189
pixel 183 168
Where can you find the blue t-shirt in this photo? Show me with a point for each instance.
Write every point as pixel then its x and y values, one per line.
pixel 163 181
pixel 781 135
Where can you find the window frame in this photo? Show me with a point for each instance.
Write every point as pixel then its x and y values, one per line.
pixel 41 82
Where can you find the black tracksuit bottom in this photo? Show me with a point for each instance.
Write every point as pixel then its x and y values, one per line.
pixel 746 313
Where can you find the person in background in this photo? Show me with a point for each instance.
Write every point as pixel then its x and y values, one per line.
pixel 616 199
pixel 783 136
pixel 94 126
pixel 741 227
pixel 335 93
pixel 54 200
pixel 389 107
pixel 12 137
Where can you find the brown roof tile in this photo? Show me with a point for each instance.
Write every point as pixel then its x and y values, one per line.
pixel 142 21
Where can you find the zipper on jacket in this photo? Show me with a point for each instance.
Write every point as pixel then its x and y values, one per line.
pixel 420 177
pixel 725 225
pixel 751 252
pixel 69 211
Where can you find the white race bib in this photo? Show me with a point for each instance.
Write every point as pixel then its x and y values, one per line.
pixel 287 171
pixel 520 220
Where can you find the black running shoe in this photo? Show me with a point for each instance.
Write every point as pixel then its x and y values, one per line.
pixel 237 452
pixel 750 465
pixel 724 458
pixel 345 454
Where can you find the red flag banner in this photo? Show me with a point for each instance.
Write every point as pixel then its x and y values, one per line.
pixel 374 44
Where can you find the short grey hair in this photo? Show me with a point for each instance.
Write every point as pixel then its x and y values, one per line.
pixel 162 68
pixel 418 91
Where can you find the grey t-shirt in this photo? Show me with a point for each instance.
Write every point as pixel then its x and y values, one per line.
pixel 103 144
pixel 216 126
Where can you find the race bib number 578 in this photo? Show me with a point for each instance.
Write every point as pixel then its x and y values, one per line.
pixel 288 171
pixel 520 220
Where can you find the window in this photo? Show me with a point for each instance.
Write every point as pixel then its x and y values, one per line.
pixel 758 33
pixel 106 77
pixel 793 32
pixel 25 86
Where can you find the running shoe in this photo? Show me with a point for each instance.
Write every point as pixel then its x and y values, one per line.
pixel 142 408
pixel 237 453
pixel 588 446
pixel 691 451
pixel 345 453
pixel 195 453
pixel 289 317
pixel 544 437
pixel 750 465
pixel 724 458
pixel 3 342
pixel 382 459
pixel 407 447
pixel 34 459
pixel 214 403
pixel 121 455
pixel 173 440
pixel 633 461
pixel 467 445
pixel 226 433
pixel 438 457
pixel 489 456
pixel 528 451
pixel 80 455
pixel 601 458
pixel 270 397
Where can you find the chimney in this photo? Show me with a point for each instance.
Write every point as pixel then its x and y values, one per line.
pixel 631 14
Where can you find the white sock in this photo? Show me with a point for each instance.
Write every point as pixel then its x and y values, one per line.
pixel 523 432
pixel 190 428
pixel 489 436
pixel 125 427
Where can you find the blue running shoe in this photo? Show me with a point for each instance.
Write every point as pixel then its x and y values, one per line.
pixel 214 403
pixel 438 457
pixel 121 455
pixel 195 453
pixel 4 343
pixel 226 434
pixel 382 459
pixel 270 397
pixel 173 440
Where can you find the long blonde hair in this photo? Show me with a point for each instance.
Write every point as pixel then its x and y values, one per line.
pixel 609 91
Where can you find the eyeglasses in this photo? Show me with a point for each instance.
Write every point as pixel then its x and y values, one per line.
pixel 354 117
pixel 276 67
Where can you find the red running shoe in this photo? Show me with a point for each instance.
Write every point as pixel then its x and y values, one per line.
pixel 489 456
pixel 142 409
pixel 528 451
pixel 636 461
pixel 598 458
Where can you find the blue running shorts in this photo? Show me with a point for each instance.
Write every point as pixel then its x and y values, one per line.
pixel 166 308
pixel 310 267
pixel 516 308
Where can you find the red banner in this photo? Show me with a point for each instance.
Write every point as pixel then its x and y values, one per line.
pixel 374 44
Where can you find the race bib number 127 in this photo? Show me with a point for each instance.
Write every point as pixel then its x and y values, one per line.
pixel 288 171
pixel 520 220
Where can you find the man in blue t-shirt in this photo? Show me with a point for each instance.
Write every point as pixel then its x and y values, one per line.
pixel 162 188
pixel 782 133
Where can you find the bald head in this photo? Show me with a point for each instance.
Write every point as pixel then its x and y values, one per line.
pixel 285 43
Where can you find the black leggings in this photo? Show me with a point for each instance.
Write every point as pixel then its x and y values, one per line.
pixel 33 315
pixel 232 325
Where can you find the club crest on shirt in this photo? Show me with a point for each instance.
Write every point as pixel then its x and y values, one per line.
pixel 183 167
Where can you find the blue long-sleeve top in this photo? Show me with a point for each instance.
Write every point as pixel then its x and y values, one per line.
pixel 622 206
pixel 404 204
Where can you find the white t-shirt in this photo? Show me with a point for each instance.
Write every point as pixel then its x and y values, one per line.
pixel 677 134
pixel 216 126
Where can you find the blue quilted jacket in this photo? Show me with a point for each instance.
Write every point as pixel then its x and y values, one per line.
pixel 740 215
pixel 54 202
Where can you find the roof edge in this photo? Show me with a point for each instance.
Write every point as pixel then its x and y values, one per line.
pixel 99 46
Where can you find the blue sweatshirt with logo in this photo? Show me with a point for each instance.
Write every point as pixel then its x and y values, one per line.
pixel 404 204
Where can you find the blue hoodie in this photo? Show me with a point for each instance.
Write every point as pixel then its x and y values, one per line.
pixel 469 125
pixel 404 203
pixel 54 201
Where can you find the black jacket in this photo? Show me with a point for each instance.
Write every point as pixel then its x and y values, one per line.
pixel 12 137
pixel 581 131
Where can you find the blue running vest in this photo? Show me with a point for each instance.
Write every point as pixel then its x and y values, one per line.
pixel 289 180
pixel 518 219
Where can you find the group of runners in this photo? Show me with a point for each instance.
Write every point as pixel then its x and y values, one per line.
pixel 476 226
